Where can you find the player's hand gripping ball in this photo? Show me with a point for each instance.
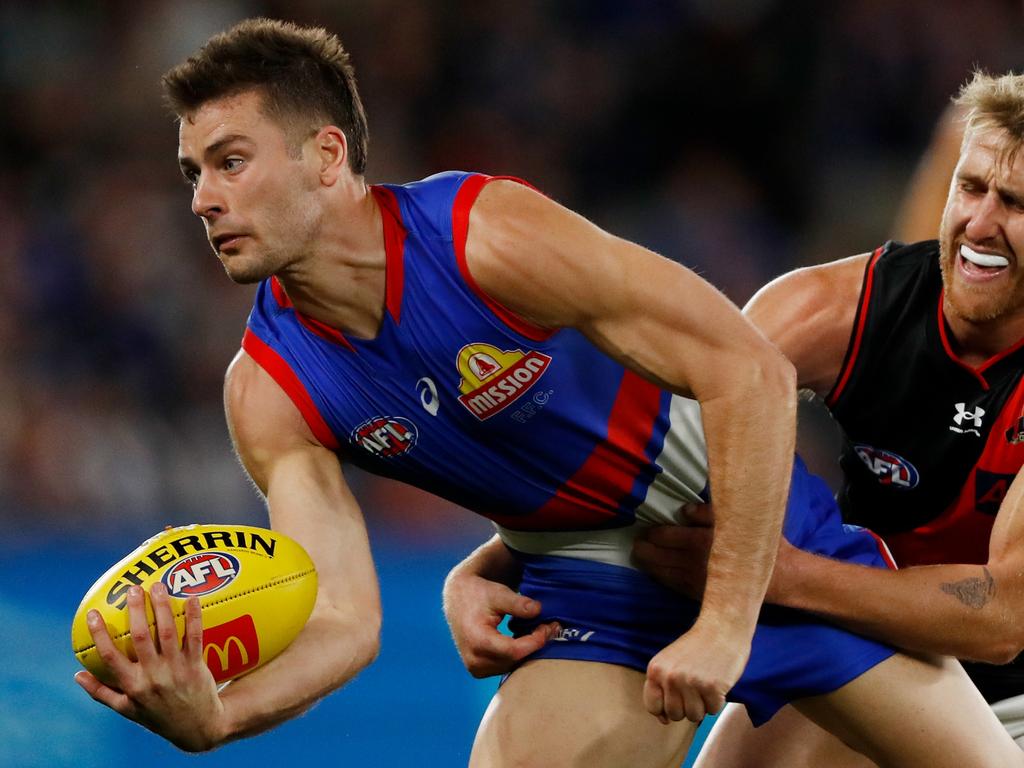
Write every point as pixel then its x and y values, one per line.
pixel 256 588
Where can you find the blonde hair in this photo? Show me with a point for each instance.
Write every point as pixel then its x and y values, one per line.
pixel 990 102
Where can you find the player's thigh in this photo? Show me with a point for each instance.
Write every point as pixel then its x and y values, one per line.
pixel 555 712
pixel 789 739
pixel 915 710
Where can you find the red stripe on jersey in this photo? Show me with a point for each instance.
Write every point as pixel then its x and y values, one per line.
pixel 883 550
pixel 279 295
pixel 464 200
pixel 978 372
pixel 858 334
pixel 394 249
pixel 323 330
pixel 270 361
pixel 593 494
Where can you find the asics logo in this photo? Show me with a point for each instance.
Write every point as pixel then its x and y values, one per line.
pixel 428 395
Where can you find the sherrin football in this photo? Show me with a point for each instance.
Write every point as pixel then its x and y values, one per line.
pixel 256 588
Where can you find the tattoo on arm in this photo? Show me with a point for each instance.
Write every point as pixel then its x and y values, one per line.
pixel 973 592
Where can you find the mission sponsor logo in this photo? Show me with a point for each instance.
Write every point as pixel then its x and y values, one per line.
pixel 386 436
pixel 231 648
pixel 493 379
pixel 888 467
pixel 201 574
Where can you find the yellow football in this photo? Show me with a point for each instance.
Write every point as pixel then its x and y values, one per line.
pixel 256 588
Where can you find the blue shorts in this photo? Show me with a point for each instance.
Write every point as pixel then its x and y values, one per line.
pixel 621 616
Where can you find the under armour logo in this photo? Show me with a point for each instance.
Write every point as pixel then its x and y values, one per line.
pixel 962 415
pixel 428 395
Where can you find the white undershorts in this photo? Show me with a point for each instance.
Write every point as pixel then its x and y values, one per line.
pixel 1011 714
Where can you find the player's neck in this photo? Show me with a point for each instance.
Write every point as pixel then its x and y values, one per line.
pixel 977 342
pixel 342 281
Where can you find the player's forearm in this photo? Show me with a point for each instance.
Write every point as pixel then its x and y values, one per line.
pixel 750 453
pixel 331 650
pixel 958 610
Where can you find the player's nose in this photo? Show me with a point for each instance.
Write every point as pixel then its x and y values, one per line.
pixel 985 219
pixel 207 199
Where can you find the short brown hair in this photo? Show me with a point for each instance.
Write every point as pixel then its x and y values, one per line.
pixel 303 74
pixel 987 101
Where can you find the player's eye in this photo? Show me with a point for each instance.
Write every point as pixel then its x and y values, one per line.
pixel 233 163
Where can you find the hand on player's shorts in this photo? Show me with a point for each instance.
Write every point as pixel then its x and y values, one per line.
pixel 691 677
pixel 676 556
pixel 474 607
pixel 169 689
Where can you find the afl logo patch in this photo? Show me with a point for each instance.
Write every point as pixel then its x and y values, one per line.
pixel 888 467
pixel 201 574
pixel 386 436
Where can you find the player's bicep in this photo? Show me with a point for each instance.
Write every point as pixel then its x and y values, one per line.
pixel 557 269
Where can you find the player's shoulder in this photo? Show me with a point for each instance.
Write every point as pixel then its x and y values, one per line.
pixel 426 206
pixel 258 410
pixel 845 278
pixel 826 285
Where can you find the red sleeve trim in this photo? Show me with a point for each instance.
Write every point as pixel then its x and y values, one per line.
pixel 858 333
pixel 270 361
pixel 461 207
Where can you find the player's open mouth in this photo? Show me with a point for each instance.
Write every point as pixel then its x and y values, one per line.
pixel 981 266
pixel 223 243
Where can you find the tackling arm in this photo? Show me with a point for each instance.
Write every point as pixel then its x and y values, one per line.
pixel 969 611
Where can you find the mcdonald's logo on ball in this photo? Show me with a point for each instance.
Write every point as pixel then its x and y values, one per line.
pixel 232 648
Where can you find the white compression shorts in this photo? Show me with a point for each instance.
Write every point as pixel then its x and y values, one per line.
pixel 1011 714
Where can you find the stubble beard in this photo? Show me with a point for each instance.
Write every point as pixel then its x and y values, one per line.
pixel 975 304
pixel 249 269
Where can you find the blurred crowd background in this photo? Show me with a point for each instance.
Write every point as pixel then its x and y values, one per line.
pixel 740 137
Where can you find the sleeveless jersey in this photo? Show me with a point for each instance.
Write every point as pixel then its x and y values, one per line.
pixel 562 447
pixel 932 443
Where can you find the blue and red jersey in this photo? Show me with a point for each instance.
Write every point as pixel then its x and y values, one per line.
pixel 537 430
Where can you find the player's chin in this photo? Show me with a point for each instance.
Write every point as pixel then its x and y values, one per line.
pixel 243 271
pixel 980 305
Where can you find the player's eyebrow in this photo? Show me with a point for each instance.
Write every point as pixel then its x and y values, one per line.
pixel 1012 196
pixel 189 164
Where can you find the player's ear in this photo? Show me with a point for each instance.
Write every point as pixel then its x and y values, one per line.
pixel 331 151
